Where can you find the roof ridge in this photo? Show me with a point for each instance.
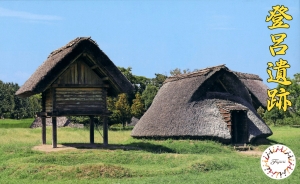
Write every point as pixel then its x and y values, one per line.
pixel 70 44
pixel 194 74
pixel 250 76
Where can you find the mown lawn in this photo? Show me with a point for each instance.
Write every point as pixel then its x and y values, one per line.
pixel 168 161
pixel 12 123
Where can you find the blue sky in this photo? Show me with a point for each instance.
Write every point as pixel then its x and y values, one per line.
pixel 149 36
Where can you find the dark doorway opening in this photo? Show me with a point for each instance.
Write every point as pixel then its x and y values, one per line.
pixel 239 132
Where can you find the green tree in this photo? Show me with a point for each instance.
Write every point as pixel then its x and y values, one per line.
pixel 149 94
pixel 294 95
pixel 260 112
pixel 114 118
pixel 21 108
pixel 176 71
pixel 26 107
pixel 123 108
pixel 141 83
pixel 12 106
pixel 7 103
pixel 273 115
pixel 35 102
pixel 292 115
pixel 128 74
pixel 137 107
pixel 159 80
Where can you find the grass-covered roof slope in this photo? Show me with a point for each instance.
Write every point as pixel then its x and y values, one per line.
pixel 190 105
pixel 59 60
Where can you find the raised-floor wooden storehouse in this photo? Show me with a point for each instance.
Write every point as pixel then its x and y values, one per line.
pixel 213 103
pixel 74 81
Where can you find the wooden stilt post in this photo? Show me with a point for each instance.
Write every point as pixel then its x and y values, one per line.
pixel 105 131
pixel 44 130
pixel 92 129
pixel 43 119
pixel 54 132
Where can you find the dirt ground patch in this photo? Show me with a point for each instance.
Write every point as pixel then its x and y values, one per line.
pixel 252 153
pixel 72 146
pixel 48 148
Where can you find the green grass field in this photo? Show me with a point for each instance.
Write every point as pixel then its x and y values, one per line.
pixel 168 161
pixel 12 123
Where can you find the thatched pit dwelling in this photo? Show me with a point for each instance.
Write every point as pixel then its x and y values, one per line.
pixel 74 81
pixel 213 103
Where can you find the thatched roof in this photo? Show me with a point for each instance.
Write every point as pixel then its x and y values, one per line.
pixel 60 59
pixel 254 83
pixel 187 105
pixel 256 87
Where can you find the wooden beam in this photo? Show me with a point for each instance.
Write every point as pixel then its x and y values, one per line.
pixel 43 119
pixel 54 132
pixel 41 114
pixel 92 129
pixel 53 91
pixel 105 131
pixel 44 130
pixel 105 78
pixel 81 85
pixel 223 85
pixel 78 113
pixel 94 67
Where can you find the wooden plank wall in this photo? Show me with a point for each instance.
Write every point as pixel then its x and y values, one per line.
pixel 80 100
pixel 48 96
pixel 78 91
pixel 79 73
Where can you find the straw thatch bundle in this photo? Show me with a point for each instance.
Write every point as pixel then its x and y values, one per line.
pixel 189 106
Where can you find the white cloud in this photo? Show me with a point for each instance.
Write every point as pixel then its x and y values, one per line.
pixel 26 15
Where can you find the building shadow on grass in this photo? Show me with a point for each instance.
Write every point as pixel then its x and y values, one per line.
pixel 153 148
pixel 263 141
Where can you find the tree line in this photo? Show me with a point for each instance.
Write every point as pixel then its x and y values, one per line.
pixel 125 106
pixel 14 107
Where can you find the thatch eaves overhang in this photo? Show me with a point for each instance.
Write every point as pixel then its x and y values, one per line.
pixel 59 60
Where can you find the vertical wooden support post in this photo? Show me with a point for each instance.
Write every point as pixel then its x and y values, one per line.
pixel 43 119
pixel 44 130
pixel 54 132
pixel 92 129
pixel 105 131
